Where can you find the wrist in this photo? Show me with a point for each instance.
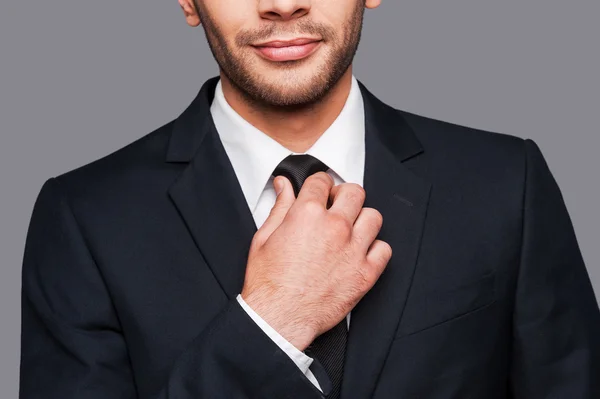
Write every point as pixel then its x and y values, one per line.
pixel 291 326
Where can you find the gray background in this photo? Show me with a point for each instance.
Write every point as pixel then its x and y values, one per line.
pixel 79 80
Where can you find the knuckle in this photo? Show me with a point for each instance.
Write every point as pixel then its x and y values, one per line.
pixel 327 179
pixel 312 180
pixel 357 193
pixel 317 191
pixel 339 224
pixel 312 208
pixel 320 179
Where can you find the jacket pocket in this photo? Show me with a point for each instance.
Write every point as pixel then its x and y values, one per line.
pixel 434 307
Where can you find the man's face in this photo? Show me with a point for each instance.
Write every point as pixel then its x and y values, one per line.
pixel 283 53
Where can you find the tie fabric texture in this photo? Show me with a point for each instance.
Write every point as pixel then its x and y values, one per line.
pixel 328 349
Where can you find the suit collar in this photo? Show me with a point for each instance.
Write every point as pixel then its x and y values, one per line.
pixel 190 128
pixel 390 127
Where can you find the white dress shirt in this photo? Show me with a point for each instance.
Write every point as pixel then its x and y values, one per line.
pixel 254 156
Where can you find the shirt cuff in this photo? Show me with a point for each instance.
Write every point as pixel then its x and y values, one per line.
pixel 298 357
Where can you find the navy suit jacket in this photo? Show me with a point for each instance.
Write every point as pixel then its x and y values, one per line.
pixel 132 265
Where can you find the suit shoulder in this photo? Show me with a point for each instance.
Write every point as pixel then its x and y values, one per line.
pixel 125 167
pixel 438 134
pixel 455 153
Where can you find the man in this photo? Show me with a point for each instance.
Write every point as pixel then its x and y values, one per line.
pixel 291 236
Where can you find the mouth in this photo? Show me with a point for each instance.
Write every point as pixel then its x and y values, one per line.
pixel 287 50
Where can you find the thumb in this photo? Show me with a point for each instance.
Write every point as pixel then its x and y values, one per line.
pixel 283 203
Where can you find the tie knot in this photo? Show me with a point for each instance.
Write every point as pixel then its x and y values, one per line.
pixel 297 168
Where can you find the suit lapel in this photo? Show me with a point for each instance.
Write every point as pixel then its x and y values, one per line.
pixel 208 195
pixel 402 199
pixel 209 198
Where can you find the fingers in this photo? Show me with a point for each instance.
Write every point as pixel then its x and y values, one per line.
pixel 378 256
pixel 347 200
pixel 366 228
pixel 285 199
pixel 316 189
pixel 378 253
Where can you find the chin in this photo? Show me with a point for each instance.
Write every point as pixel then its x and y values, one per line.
pixel 290 79
pixel 285 87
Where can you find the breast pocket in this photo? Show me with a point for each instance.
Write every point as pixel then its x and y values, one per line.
pixel 433 307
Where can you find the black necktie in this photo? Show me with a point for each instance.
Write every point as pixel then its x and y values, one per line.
pixel 328 349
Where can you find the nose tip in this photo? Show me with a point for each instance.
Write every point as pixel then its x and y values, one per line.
pixel 283 10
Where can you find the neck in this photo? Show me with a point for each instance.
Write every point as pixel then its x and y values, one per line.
pixel 296 129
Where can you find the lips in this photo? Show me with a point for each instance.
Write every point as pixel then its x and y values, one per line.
pixel 287 43
pixel 287 50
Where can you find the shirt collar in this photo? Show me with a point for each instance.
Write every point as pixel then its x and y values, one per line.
pixel 254 155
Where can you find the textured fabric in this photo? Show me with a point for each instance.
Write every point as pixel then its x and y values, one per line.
pixel 329 348
pixel 297 168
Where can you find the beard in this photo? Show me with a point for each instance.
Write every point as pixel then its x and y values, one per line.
pixel 288 84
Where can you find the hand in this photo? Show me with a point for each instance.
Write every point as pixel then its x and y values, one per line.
pixel 308 265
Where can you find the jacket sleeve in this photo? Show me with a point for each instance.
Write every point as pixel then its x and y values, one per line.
pixel 72 345
pixel 556 325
